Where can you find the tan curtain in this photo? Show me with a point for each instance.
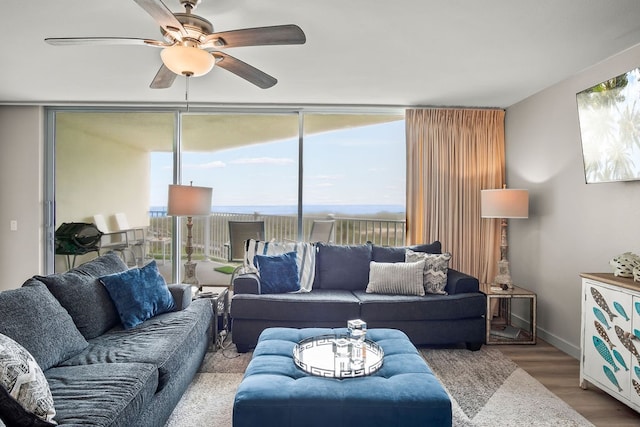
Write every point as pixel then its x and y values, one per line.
pixel 451 156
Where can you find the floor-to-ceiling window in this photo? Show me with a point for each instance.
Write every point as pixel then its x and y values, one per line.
pixel 354 167
pixel 272 165
pixel 102 167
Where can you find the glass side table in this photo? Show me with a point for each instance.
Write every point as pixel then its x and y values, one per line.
pixel 219 297
pixel 502 327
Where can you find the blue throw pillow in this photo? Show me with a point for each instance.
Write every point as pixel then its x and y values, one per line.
pixel 278 273
pixel 138 294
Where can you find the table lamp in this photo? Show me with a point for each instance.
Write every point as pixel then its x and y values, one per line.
pixel 504 204
pixel 189 201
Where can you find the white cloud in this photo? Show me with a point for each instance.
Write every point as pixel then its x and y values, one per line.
pixel 326 177
pixel 263 161
pixel 216 164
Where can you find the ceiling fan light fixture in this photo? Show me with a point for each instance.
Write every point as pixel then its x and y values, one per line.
pixel 187 60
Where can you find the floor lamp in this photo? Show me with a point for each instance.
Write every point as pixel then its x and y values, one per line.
pixel 189 201
pixel 504 204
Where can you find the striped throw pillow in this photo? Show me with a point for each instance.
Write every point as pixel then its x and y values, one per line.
pixel 305 258
pixel 396 278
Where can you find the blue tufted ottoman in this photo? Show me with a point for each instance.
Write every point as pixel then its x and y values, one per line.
pixel 274 392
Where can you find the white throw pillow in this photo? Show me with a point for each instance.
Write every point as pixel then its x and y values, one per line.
pixel 23 379
pixel 305 258
pixel 396 278
pixel 436 267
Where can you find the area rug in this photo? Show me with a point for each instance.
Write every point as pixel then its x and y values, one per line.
pixel 486 389
pixel 489 389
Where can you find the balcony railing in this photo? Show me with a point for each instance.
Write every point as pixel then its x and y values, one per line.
pixel 211 234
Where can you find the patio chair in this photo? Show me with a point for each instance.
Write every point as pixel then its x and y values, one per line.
pixel 111 241
pixel 239 233
pixel 322 231
pixel 135 237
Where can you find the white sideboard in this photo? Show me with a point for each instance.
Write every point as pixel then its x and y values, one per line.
pixel 610 337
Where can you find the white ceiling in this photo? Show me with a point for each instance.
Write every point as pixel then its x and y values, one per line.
pixel 482 53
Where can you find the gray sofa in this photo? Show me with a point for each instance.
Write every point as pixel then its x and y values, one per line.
pixel 98 372
pixel 338 295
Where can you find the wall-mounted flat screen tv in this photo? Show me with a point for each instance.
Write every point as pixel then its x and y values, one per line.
pixel 609 116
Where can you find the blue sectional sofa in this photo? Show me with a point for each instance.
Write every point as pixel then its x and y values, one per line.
pixel 98 372
pixel 339 294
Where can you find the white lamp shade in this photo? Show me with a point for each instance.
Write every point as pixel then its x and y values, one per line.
pixel 186 200
pixel 187 60
pixel 504 203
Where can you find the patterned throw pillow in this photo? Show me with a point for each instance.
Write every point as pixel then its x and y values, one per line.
pixel 397 278
pixel 24 383
pixel 436 267
pixel 305 258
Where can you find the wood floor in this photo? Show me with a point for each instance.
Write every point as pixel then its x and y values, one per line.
pixel 560 373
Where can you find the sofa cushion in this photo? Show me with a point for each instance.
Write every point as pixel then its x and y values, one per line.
pixel 397 254
pixel 278 273
pixel 396 278
pixel 139 294
pixel 305 258
pixel 23 383
pixel 32 317
pixel 378 307
pixel 324 305
pixel 80 292
pixel 436 267
pixel 342 266
pixel 165 341
pixel 106 394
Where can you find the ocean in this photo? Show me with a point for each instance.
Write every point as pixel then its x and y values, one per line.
pixel 338 210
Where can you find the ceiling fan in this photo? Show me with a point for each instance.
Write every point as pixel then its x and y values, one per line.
pixel 191 48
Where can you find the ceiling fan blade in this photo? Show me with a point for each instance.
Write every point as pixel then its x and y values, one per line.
pixel 164 78
pixel 65 41
pixel 162 15
pixel 244 70
pixel 261 36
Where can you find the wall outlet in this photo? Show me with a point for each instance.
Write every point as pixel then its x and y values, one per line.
pixel 14 225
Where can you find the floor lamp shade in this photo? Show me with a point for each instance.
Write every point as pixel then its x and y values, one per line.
pixel 186 200
pixel 504 203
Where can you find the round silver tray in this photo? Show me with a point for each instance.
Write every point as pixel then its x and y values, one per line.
pixel 316 356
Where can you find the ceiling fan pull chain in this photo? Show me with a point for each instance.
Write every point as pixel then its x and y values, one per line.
pixel 186 92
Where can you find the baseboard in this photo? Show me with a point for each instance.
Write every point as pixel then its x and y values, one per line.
pixel 559 343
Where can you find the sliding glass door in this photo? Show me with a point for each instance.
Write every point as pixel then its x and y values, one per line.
pixel 288 169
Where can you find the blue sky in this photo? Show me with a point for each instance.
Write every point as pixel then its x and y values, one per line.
pixel 364 165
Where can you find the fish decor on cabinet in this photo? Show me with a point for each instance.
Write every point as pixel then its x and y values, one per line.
pixel 637 370
pixel 620 359
pixel 620 309
pixel 611 376
pixel 604 352
pixel 636 386
pixel 603 334
pixel 626 342
pixel 636 333
pixel 637 307
pixel 599 299
pixel 600 316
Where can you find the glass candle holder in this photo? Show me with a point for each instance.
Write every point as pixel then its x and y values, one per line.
pixel 342 355
pixel 357 332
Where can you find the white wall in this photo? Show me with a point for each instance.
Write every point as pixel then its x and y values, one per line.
pixel 21 178
pixel 572 227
